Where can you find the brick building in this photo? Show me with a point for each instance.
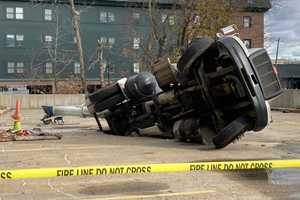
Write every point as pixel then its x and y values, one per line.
pixel 250 20
pixel 31 29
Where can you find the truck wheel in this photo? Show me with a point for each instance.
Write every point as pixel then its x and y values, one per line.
pixel 117 127
pixel 193 52
pixel 231 132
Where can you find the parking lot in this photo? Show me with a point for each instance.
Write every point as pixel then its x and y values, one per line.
pixel 83 145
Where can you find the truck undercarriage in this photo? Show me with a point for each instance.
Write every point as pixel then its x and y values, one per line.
pixel 217 91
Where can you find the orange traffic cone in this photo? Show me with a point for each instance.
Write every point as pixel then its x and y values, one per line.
pixel 17 117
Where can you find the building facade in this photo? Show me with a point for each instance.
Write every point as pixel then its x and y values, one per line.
pixel 250 20
pixel 38 47
pixel 289 75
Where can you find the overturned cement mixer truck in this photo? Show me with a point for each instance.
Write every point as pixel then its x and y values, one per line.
pixel 217 91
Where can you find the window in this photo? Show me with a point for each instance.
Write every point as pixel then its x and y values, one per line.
pixel 136 16
pixel 107 17
pixel 136 67
pixel 172 20
pixel 19 40
pixel 110 17
pixel 10 67
pixel 163 17
pixel 107 42
pixel 136 43
pixel 196 20
pixel 48 15
pixel 103 17
pixel 10 40
pixel 13 40
pixel 76 68
pixel 103 40
pixel 111 42
pixel 247 43
pixel 48 40
pixel 10 13
pixel 19 13
pixel 20 68
pixel 49 68
pixel 247 21
pixel 15 13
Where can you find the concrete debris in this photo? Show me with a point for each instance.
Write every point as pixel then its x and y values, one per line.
pixel 27 135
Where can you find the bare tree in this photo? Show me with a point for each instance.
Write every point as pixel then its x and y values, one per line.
pixel 76 27
pixel 172 29
pixel 54 51
pixel 201 18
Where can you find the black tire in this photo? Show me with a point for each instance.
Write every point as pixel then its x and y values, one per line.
pixel 193 52
pixel 104 93
pixel 231 132
pixel 117 127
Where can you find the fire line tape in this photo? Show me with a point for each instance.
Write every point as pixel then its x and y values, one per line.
pixel 146 168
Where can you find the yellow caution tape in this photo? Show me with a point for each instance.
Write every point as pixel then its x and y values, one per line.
pixel 147 168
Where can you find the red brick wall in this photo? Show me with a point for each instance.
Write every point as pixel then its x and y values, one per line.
pixel 255 32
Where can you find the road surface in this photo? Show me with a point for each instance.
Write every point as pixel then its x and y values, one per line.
pixel 83 145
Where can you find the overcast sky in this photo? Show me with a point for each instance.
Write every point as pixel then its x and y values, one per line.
pixel 284 22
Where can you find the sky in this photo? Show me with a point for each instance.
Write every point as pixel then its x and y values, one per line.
pixel 283 21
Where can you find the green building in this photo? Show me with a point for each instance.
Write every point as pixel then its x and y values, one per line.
pixel 38 47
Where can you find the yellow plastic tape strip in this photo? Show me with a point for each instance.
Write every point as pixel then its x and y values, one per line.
pixel 147 168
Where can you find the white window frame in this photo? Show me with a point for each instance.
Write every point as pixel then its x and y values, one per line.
pixel 48 14
pixel 11 37
pixel 19 40
pixel 106 17
pixel 19 13
pixel 164 17
pixel 136 67
pixel 136 42
pixel 76 68
pixel 49 68
pixel 247 21
pixel 10 13
pixel 136 16
pixel 20 67
pixel 14 13
pixel 103 17
pixel 103 40
pixel 111 41
pixel 10 67
pixel 48 38
pixel 110 17
pixel 171 20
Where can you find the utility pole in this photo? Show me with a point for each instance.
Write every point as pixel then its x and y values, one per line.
pixel 277 52
pixel 76 27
